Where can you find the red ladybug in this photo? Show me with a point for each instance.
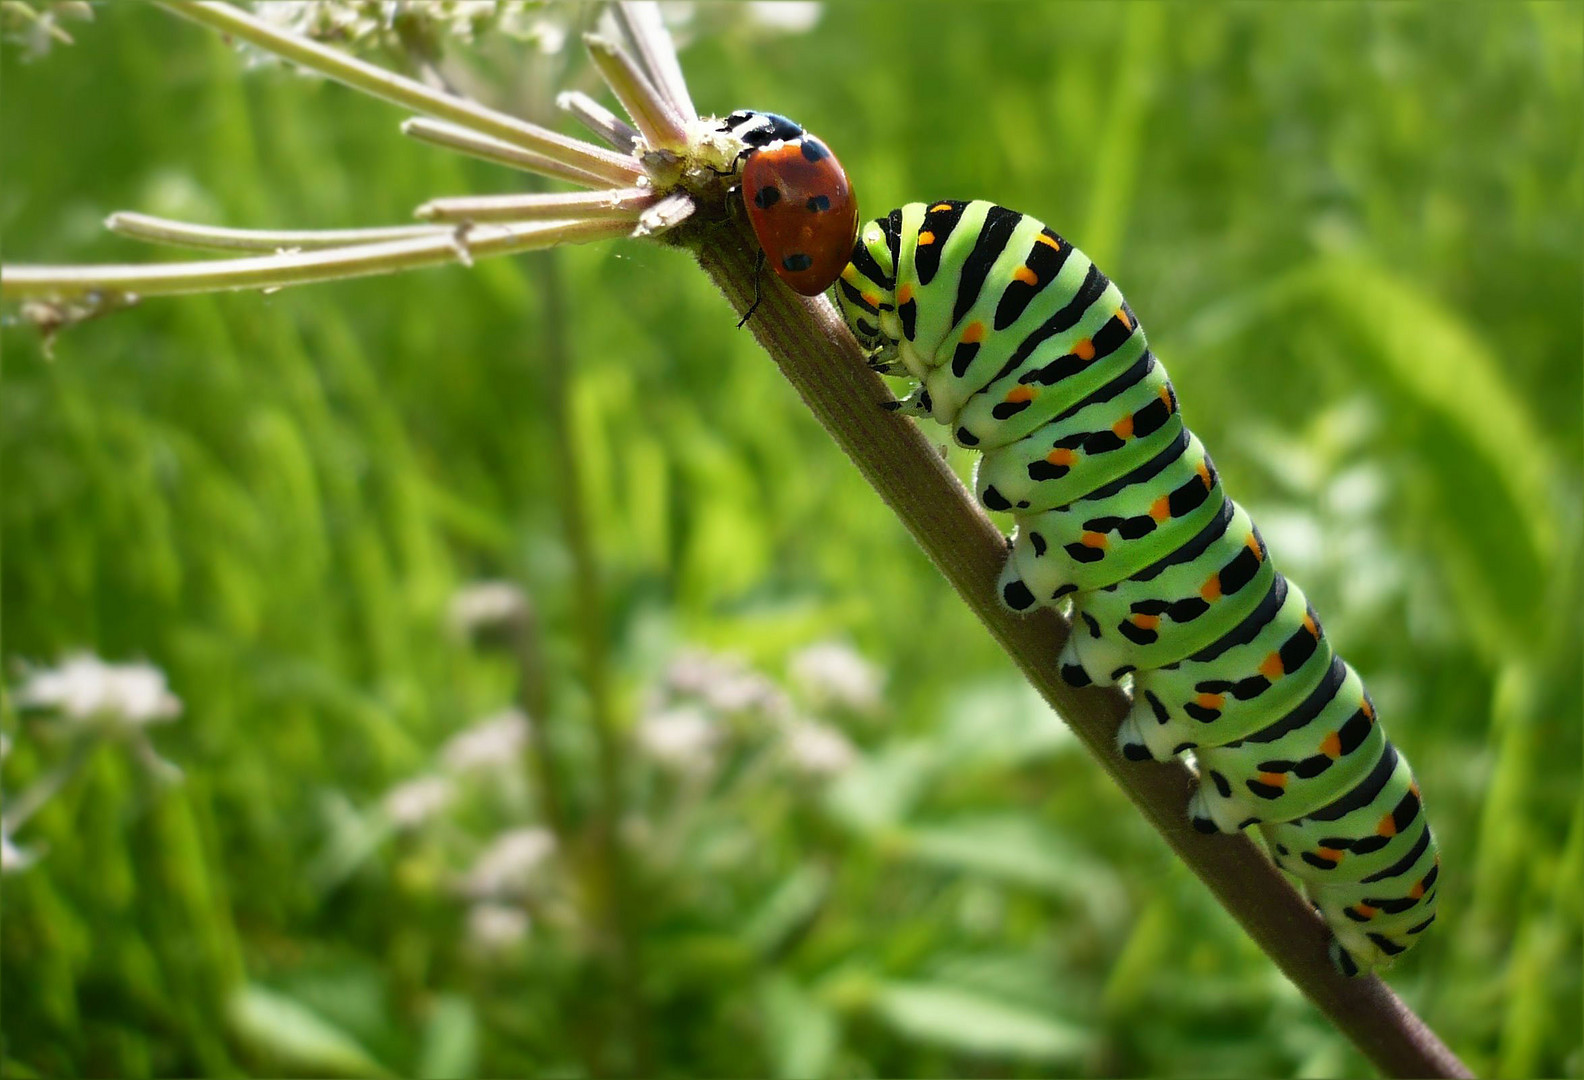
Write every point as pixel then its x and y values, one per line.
pixel 799 202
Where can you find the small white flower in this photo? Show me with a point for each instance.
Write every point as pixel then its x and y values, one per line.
pixel 818 750
pixel 486 606
pixel 496 742
pixel 411 804
pixel 493 928
pixel 508 866
pixel 785 16
pixel 13 859
pixel 831 673
pixel 724 683
pixel 84 687
pixel 683 738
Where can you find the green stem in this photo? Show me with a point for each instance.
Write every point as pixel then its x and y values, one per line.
pixel 589 605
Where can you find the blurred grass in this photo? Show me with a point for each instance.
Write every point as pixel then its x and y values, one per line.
pixel 1355 235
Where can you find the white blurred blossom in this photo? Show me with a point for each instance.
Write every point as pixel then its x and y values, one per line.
pixel 14 859
pixel 85 688
pixel 509 865
pixel 36 26
pixel 363 24
pixel 410 804
pixel 683 738
pixel 785 16
pixel 485 606
pixel 724 683
pixel 496 742
pixel 831 673
pixel 493 928
pixel 817 749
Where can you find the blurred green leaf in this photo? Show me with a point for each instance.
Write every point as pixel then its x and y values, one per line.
pixel 450 1042
pixel 281 1029
pixel 977 1024
pixel 800 1031
pixel 1008 847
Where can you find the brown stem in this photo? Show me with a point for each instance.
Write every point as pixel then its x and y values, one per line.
pixel 808 341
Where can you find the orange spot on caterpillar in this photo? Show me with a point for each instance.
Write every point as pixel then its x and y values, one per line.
pixel 938 207
pixel 973 333
pixel 1060 456
pixel 1369 711
pixel 1211 589
pixel 1275 780
pixel 926 238
pixel 1252 543
pixel 1025 275
pixel 1271 667
pixel 1123 428
pixel 1084 350
pixel 1165 395
pixel 1417 891
pixel 1364 910
pixel 1330 855
pixel 1094 540
pixel 1387 826
pixel 1331 746
pixel 1021 393
pixel 1203 472
pixel 1123 315
pixel 1048 241
pixel 1309 625
pixel 871 299
pixel 1160 509
pixel 1210 701
pixel 1146 622
pixel 905 293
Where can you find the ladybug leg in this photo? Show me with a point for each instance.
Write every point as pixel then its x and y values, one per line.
pixel 758 269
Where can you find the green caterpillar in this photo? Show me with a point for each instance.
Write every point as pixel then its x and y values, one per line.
pixel 1030 355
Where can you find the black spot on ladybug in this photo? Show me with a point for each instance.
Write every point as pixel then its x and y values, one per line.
pixel 797 262
pixel 813 149
pixel 767 197
pixel 817 203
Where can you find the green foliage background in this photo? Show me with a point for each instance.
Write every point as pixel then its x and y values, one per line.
pixel 1354 233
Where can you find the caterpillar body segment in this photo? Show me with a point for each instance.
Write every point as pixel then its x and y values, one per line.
pixel 1027 353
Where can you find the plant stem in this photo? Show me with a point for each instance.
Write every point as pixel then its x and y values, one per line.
pixel 589 606
pixel 158 230
pixel 273 271
pixel 661 124
pixel 466 141
pixel 378 82
pixel 624 203
pixel 655 53
pixel 598 119
pixel 814 350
